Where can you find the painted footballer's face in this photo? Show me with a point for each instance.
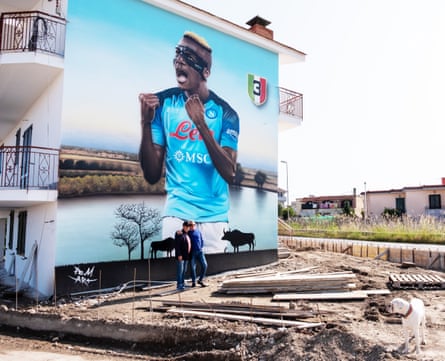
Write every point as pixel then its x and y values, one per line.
pixel 191 65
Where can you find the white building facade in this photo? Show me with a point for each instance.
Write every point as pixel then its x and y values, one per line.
pixel 32 90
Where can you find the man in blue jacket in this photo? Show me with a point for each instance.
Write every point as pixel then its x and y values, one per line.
pixel 197 254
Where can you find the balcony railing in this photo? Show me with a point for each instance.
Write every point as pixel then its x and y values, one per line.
pixel 435 212
pixel 291 103
pixel 32 31
pixel 28 167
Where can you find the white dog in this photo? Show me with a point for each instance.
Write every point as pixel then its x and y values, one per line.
pixel 413 319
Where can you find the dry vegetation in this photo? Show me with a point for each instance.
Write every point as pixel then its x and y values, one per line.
pixel 405 229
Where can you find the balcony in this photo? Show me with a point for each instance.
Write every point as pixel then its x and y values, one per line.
pixel 435 212
pixel 291 109
pixel 32 47
pixel 28 168
pixel 32 31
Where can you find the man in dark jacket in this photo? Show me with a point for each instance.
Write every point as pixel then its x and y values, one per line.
pixel 182 253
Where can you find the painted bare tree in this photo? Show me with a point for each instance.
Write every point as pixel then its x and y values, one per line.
pixel 125 235
pixel 145 222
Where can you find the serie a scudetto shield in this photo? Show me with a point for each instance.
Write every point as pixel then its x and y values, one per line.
pixel 257 89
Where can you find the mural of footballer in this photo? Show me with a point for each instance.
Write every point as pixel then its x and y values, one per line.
pixel 195 133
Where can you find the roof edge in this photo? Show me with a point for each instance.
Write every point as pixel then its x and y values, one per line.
pixel 286 53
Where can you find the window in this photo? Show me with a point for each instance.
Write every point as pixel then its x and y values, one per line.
pixel 11 230
pixel 17 145
pixel 435 202
pixel 1 158
pixel 400 205
pixel 21 234
pixel 26 155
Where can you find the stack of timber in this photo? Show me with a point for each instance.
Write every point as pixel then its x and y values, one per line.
pixel 240 308
pixel 283 252
pixel 279 283
pixel 232 317
pixel 260 314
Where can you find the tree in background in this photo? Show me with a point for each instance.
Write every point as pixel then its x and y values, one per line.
pixel 391 214
pixel 285 212
pixel 239 175
pixel 260 178
pixel 137 223
pixel 347 209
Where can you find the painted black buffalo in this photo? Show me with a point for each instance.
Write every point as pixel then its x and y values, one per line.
pixel 238 238
pixel 167 245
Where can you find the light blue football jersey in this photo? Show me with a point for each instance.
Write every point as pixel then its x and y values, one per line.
pixel 195 189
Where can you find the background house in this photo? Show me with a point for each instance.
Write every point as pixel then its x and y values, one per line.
pixel 425 200
pixel 329 205
pixel 417 201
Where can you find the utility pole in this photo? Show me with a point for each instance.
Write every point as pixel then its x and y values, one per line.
pixel 287 184
pixel 365 204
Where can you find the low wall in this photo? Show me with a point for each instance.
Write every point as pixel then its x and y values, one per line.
pixel 91 277
pixel 426 258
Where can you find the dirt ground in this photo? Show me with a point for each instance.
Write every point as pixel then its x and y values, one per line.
pixel 351 330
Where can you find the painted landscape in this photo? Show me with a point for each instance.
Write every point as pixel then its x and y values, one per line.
pixel 88 171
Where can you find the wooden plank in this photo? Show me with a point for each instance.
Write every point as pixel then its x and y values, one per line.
pixel 428 278
pixel 266 311
pixel 417 280
pixel 340 281
pixel 227 316
pixel 435 278
pixel 299 270
pixel 434 260
pixel 317 276
pixel 351 295
pixel 378 292
pixel 254 274
pixel 275 289
pixel 381 254
pixel 392 277
pixel 229 305
pixel 290 279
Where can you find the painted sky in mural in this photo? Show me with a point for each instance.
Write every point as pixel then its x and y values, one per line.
pixel 114 53
pixel 131 52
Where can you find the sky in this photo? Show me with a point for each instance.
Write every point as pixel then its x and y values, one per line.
pixel 373 83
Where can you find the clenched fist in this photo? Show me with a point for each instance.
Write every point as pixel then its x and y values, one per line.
pixel 149 103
